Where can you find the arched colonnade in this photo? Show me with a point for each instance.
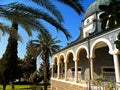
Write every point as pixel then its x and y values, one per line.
pixel 82 63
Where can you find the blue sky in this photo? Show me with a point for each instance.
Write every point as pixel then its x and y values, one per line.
pixel 72 23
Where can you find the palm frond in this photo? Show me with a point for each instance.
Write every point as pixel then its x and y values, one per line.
pixel 75 4
pixel 27 21
pixel 50 7
pixel 104 19
pixel 41 15
pixel 112 22
pixel 46 43
pixel 111 15
pixel 103 7
pixel 4 28
pixel 117 43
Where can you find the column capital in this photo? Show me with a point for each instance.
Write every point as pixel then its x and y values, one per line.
pixel 58 63
pixel 116 51
pixel 91 56
pixel 65 61
pixel 75 59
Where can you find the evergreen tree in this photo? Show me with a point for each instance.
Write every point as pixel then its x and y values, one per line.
pixel 28 67
pixel 9 60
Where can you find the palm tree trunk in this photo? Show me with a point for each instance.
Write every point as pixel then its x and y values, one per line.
pixel 13 49
pixel 45 61
pixel 45 76
pixel 12 85
pixel 4 86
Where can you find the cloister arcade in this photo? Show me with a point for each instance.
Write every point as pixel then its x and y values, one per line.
pixel 78 63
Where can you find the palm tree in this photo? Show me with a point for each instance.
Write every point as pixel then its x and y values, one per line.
pixel 46 46
pixel 47 4
pixel 110 18
pixel 117 42
pixel 19 12
pixel 29 18
pixel 38 13
pixel 111 15
pixel 29 23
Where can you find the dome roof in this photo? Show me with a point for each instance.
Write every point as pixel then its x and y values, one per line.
pixel 94 7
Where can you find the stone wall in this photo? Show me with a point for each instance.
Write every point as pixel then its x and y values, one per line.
pixel 60 85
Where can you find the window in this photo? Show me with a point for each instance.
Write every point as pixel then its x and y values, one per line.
pixel 87 21
pixel 109 69
pixel 73 69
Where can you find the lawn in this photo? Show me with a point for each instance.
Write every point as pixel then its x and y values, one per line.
pixel 22 87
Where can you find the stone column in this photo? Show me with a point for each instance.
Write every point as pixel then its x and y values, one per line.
pixel 76 70
pixel 91 69
pixel 52 71
pixel 66 63
pixel 58 73
pixel 116 66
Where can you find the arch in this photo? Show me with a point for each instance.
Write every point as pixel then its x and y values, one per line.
pixel 68 53
pixel 55 58
pixel 62 56
pixel 107 42
pixel 81 48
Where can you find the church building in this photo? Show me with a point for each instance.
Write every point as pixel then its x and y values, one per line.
pixel 90 58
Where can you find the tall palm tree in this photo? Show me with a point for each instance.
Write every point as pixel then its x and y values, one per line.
pixel 111 15
pixel 46 46
pixel 29 23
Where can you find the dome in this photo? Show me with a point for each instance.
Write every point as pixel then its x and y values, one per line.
pixel 94 7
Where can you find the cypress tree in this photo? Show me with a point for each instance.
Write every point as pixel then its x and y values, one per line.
pixel 9 62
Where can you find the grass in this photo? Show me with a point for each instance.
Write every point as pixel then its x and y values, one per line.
pixel 22 87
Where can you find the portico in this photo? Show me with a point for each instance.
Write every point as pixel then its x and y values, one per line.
pixel 104 59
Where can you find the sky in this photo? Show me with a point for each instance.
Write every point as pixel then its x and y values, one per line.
pixel 72 22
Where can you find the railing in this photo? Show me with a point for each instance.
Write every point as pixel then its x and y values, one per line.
pixel 107 83
pixel 92 85
pixel 109 78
